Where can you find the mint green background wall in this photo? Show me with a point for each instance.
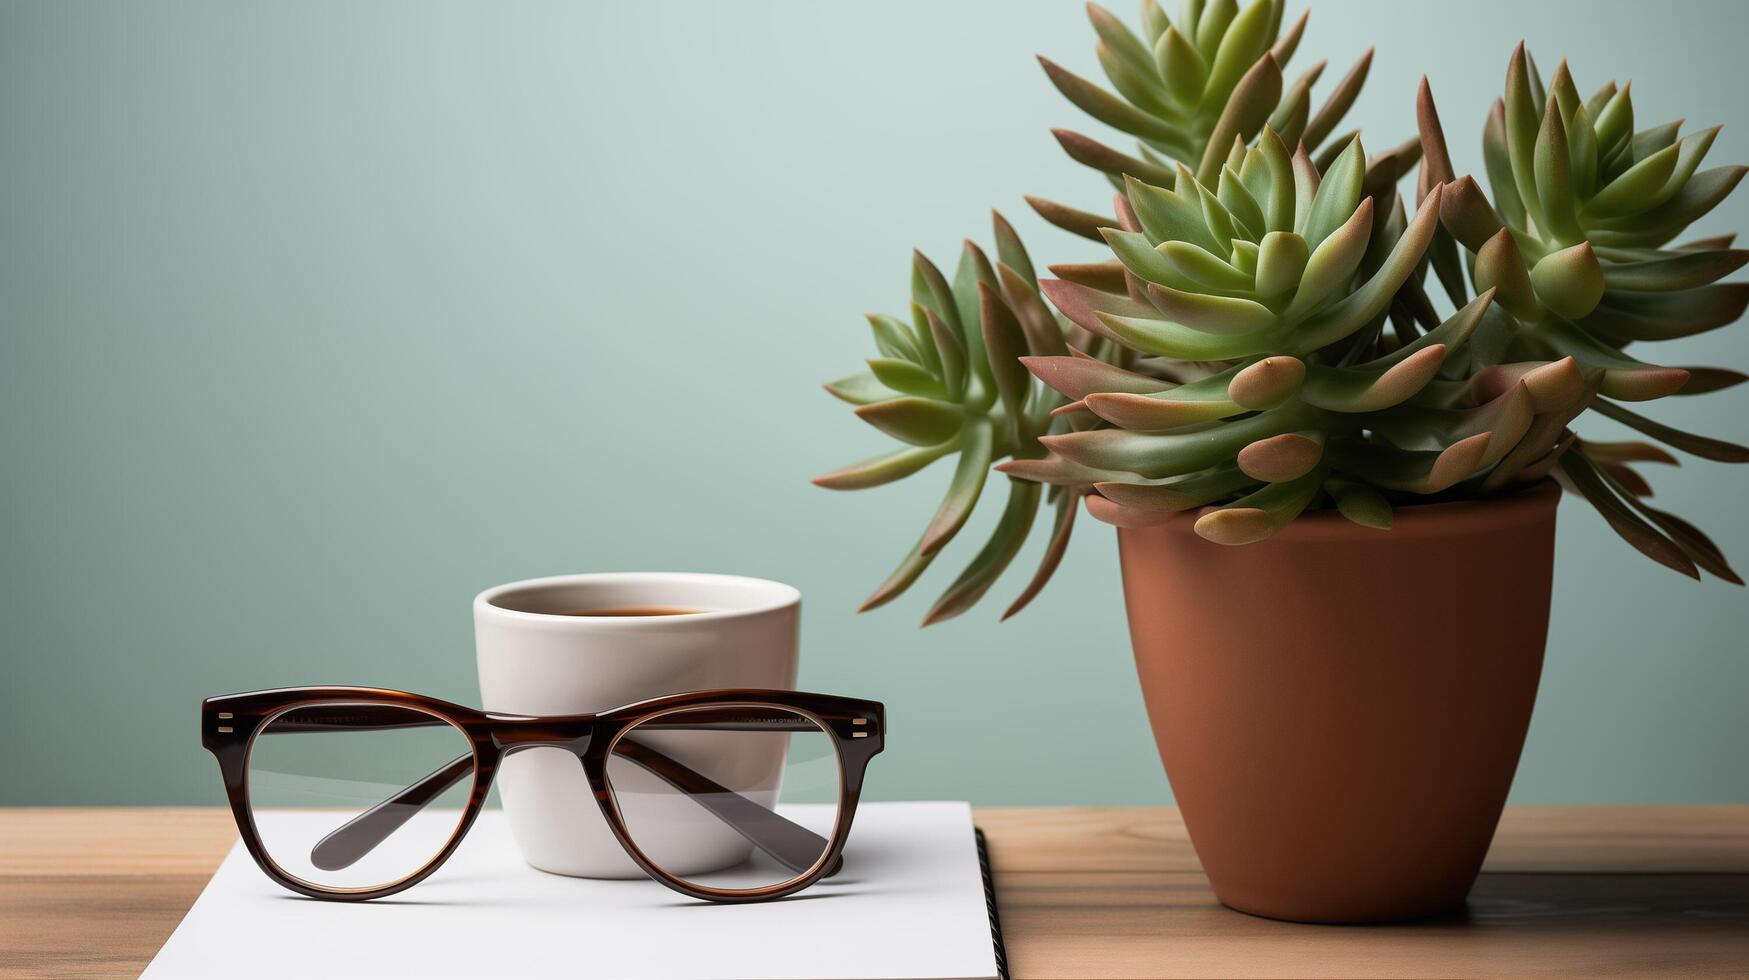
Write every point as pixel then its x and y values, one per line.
pixel 317 318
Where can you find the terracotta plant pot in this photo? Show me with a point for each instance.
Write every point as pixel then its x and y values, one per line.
pixel 1340 710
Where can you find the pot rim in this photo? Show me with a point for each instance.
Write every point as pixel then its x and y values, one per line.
pixel 1531 505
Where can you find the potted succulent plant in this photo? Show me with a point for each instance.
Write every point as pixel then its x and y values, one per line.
pixel 1369 387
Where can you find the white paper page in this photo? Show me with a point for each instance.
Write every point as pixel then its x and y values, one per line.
pixel 909 903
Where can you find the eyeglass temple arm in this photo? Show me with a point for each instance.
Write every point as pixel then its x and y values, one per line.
pixel 791 844
pixel 359 836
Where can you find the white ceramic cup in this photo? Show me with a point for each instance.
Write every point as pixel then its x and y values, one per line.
pixel 535 660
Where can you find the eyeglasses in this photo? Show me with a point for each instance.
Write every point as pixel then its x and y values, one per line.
pixel 355 793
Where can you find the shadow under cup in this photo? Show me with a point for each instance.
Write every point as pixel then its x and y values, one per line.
pixel 536 657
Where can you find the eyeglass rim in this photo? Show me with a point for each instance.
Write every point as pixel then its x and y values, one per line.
pixel 839 816
pixel 442 854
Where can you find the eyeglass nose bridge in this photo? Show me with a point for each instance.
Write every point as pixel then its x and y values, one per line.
pixel 513 734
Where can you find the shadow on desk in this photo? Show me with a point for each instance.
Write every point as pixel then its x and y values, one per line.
pixel 1587 901
pixel 1592 925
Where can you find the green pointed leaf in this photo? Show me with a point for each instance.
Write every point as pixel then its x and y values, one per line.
pixel 1009 250
pixel 1656 227
pixel 1247 109
pixel 906 377
pixel 1340 100
pixel 1361 504
pixel 1569 282
pixel 1169 217
pixel 1106 107
pixel 1330 270
pixel 1155 455
pixel 950 350
pixel 1281 259
pixel 1154 20
pixel 974 271
pixel 1072 220
pixel 1554 181
pixel 1705 447
pixel 1243 43
pixel 1068 505
pixel 1202 266
pixel 1288 43
pixel 1122 43
pixel 1338 195
pixel 1677 270
pixel 1059 471
pixel 1634 530
pixel 1522 121
pixel 1706 380
pixel 1411 471
pixel 1372 299
pixel 1044 335
pixel 1163 338
pixel 930 290
pixel 1497 161
pixel 994 558
pixel 1652 139
pixel 1143 260
pixel 882 469
pixel 1182 67
pixel 1215 217
pixel 1452 333
pixel 918 421
pixel 1145 90
pixel 1211 26
pixel 1278 200
pixel 1582 152
pixel 1006 343
pixel 1500 267
pixel 1630 193
pixel 1259 515
pixel 1202 401
pixel 1615 121
pixel 1692 540
pixel 962 493
pixel 910 568
pixel 1465 212
pixel 1291 115
pixel 860 388
pixel 1212 314
pixel 1244 208
pixel 1180 494
pixel 1372 387
pixel 1692 149
pixel 893 339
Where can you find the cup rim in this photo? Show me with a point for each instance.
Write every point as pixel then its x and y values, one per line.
pixel 782 597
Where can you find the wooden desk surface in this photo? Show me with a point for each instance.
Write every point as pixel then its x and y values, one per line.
pixel 1084 892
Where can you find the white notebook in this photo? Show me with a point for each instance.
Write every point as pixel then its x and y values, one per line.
pixel 909 903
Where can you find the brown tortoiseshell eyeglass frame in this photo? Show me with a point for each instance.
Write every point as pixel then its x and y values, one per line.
pixel 229 725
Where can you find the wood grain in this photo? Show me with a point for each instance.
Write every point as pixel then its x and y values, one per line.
pixel 1085 892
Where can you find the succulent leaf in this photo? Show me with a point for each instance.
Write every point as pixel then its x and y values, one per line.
pixel 918 421
pixel 1068 505
pixel 1192 88
pixel 994 558
pixel 882 469
pixel 1361 504
pixel 1259 514
pixel 861 388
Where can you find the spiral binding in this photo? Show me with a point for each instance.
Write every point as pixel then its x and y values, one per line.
pixel 990 901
